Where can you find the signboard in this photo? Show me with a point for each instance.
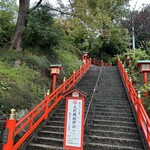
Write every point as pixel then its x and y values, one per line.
pixel 145 67
pixel 74 123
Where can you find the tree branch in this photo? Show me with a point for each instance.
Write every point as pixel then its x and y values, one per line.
pixel 37 5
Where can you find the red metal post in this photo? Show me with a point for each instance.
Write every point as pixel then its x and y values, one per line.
pixel 54 83
pixel 148 135
pixel 139 103
pixel 80 71
pixel 102 63
pixel 125 78
pixel 9 131
pixel 94 61
pixel 121 67
pixel 90 61
pixel 123 71
pixel 130 88
pixel 145 82
pixel 64 81
pixel 47 101
pixel 74 77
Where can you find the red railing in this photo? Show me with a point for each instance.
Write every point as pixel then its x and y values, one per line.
pixel 100 62
pixel 142 117
pixel 22 129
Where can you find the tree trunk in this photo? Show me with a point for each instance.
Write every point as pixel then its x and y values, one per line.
pixel 16 42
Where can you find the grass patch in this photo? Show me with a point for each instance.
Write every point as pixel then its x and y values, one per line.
pixel 70 62
pixel 20 87
pixel 23 87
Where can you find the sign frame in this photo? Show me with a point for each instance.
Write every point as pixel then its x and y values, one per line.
pixel 82 124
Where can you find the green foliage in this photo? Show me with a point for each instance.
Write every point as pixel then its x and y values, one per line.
pixel 40 30
pixel 118 42
pixel 97 26
pixel 20 87
pixel 136 76
pixel 36 62
pixel 7 15
pixel 135 55
pixel 10 56
pixel 146 105
pixel 70 62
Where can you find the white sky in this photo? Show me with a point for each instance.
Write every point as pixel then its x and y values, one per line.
pixel 132 2
pixel 138 3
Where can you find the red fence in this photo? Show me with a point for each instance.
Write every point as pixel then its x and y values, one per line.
pixel 142 117
pixel 100 62
pixel 24 127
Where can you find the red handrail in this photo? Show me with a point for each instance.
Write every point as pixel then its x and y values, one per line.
pixel 25 126
pixel 143 119
pixel 100 62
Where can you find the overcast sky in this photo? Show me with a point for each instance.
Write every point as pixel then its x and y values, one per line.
pixel 138 3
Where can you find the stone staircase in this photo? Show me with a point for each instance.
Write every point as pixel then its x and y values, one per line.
pixel 50 136
pixel 112 125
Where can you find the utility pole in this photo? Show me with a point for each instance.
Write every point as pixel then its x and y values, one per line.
pixel 133 34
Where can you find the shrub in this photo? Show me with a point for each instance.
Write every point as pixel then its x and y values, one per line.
pixel 36 62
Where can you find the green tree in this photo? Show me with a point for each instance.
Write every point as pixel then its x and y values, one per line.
pixel 7 20
pixel 40 30
pixel 101 19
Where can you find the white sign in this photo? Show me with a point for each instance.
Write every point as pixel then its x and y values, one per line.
pixel 145 67
pixel 74 123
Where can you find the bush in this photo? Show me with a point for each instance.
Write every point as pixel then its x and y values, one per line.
pixel 20 87
pixel 10 56
pixel 40 30
pixel 137 77
pixel 36 62
pixel 70 62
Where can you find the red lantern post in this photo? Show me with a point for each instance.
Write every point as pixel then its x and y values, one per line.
pixel 54 72
pixel 144 66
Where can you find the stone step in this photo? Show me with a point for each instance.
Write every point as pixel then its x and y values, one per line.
pixel 113 114
pixel 111 109
pixel 57 118
pixel 112 122
pixel 53 134
pixel 35 146
pixel 116 103
pixel 104 133
pixel 109 100
pixel 59 113
pixel 55 123
pixel 48 141
pixel 111 106
pixel 99 146
pixel 53 128
pixel 114 128
pixel 116 141
pixel 111 93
